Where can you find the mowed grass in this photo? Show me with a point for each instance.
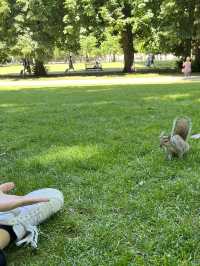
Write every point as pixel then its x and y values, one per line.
pixel 53 68
pixel 124 203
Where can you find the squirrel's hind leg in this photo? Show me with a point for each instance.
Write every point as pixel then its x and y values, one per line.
pixel 181 154
pixel 169 156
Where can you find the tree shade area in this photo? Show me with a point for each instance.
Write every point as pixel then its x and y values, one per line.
pixel 102 138
pixel 124 203
pixel 34 29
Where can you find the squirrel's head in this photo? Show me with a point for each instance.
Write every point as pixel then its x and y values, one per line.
pixel 164 140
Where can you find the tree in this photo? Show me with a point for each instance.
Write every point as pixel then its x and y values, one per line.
pixel 72 26
pixel 179 27
pixel 88 46
pixel 119 15
pixel 111 45
pixel 7 34
pixel 196 38
pixel 129 19
pixel 36 27
pixel 4 57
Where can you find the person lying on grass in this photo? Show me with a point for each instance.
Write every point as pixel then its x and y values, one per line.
pixel 20 215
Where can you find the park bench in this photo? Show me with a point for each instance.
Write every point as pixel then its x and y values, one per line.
pixel 93 66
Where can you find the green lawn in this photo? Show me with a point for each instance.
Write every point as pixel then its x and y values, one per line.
pixel 124 204
pixel 15 69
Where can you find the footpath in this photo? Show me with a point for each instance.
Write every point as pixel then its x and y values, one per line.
pixel 94 81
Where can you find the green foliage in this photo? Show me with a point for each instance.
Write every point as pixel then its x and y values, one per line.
pixel 88 46
pixel 111 44
pixel 179 26
pixel 58 54
pixel 195 66
pixel 90 49
pixel 34 28
pixel 25 46
pixel 4 53
pixel 95 16
pixel 38 69
pixel 72 26
pixel 4 9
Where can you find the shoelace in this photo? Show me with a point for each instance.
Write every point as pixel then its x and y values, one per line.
pixel 31 238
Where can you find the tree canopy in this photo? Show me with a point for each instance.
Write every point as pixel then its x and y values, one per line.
pixel 34 28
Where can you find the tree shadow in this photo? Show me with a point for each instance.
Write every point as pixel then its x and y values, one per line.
pixel 36 121
pixel 99 145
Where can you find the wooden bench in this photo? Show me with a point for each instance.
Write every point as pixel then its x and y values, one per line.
pixel 92 66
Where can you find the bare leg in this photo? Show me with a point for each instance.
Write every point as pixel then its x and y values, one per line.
pixel 31 214
pixel 4 238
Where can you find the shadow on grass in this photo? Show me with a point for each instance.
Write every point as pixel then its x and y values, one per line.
pixel 88 128
pixel 40 118
pixel 100 146
pixel 105 72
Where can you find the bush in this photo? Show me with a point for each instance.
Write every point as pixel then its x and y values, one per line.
pixel 179 64
pixel 196 66
pixel 39 69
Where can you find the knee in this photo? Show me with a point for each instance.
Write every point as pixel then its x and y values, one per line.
pixel 57 194
pixel 54 195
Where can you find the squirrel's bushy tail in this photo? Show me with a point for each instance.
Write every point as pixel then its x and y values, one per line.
pixel 182 126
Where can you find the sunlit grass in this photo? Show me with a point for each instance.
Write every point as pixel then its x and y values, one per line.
pixel 10 69
pixel 124 204
pixel 62 153
pixel 165 97
pixel 54 68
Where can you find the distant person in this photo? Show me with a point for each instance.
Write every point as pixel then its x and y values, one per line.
pixel 152 58
pixel 97 64
pixel 187 67
pixel 148 61
pixel 71 66
pixel 26 67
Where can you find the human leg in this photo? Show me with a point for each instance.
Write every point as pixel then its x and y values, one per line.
pixel 7 236
pixel 4 239
pixel 25 219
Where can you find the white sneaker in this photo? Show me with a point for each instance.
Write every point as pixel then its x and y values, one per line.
pixel 25 219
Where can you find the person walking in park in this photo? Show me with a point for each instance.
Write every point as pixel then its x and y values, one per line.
pixel 148 63
pixel 187 67
pixel 150 60
pixel 26 67
pixel 70 64
pixel 20 215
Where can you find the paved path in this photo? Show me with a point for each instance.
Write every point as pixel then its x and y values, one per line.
pixel 97 81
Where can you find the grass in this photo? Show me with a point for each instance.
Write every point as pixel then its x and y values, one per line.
pixel 124 204
pixel 15 69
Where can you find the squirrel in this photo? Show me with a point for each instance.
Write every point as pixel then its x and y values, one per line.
pixel 175 144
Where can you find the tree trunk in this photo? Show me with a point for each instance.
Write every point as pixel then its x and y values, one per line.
pixel 39 68
pixel 196 47
pixel 127 46
pixel 188 47
pixel 196 53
